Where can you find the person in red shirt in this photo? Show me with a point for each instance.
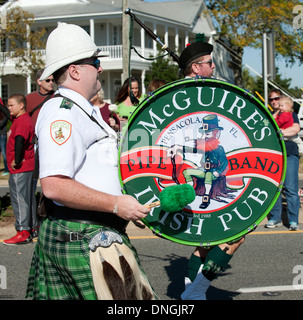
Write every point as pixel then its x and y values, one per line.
pixel 36 99
pixel 283 115
pixel 21 165
pixel 284 118
pixel 34 103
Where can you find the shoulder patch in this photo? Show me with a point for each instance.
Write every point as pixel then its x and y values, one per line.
pixel 60 131
pixel 66 104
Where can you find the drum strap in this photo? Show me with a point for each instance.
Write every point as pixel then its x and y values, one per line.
pixel 58 95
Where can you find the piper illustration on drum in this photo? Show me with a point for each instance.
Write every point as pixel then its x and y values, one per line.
pixel 215 137
pixel 213 160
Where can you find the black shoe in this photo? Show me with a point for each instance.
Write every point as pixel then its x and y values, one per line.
pixel 205 202
pixel 35 232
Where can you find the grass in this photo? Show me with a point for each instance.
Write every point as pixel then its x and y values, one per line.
pixel 2 169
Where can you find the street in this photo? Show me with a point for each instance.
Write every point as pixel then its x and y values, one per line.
pixel 264 268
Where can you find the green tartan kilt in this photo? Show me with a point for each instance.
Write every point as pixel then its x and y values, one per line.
pixel 61 270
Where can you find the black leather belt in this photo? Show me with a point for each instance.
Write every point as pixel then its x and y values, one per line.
pixel 89 217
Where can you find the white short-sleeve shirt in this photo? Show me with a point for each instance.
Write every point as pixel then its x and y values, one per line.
pixel 72 145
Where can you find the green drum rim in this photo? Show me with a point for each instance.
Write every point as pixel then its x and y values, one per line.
pixel 212 84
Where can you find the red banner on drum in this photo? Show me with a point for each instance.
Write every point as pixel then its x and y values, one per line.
pixel 243 163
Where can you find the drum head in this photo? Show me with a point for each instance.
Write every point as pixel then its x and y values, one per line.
pixel 226 145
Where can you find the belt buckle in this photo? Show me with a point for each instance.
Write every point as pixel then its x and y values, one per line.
pixel 73 237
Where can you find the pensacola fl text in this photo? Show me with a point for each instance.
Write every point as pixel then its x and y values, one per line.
pixel 158 309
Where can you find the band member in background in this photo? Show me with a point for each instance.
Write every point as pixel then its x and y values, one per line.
pixel 204 264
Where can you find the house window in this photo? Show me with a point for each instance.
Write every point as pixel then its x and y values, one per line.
pixel 149 42
pixel 115 35
pixel 117 86
pixel 4 93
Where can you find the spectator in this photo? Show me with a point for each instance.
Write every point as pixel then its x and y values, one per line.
pixel 284 119
pixel 109 116
pixel 291 182
pixel 155 84
pixel 128 98
pixel 274 98
pixel 21 163
pixel 36 99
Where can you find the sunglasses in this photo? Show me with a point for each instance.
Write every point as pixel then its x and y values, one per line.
pixel 49 80
pixel 275 98
pixel 210 62
pixel 95 63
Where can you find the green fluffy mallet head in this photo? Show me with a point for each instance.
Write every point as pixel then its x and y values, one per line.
pixel 175 198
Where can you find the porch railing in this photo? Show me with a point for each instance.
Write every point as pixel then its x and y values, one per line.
pixel 115 52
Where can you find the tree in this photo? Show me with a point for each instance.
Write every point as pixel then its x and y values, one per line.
pixel 23 43
pixel 242 23
pixel 162 68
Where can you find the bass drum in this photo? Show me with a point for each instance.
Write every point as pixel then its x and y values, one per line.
pixel 215 136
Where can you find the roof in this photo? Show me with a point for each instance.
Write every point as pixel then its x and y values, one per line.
pixel 185 12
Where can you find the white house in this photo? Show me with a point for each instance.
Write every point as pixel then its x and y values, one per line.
pixel 175 22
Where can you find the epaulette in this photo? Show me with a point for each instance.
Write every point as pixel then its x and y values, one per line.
pixel 66 104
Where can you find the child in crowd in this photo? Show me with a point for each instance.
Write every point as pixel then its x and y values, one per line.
pixel 21 164
pixel 285 120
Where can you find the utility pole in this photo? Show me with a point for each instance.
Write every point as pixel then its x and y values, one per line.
pixel 265 71
pixel 269 68
pixel 125 42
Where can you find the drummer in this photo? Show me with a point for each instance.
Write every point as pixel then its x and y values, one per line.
pixel 86 212
pixel 204 264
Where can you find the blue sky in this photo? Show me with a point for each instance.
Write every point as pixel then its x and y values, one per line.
pixel 253 58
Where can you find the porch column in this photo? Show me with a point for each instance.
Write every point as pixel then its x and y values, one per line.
pixel 166 35
pixel 92 28
pixel 28 84
pixel 155 42
pixel 142 42
pixel 176 39
pixel 186 39
pixel 142 81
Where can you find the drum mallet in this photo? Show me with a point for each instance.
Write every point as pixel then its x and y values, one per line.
pixel 175 198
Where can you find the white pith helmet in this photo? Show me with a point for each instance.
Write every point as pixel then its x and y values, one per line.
pixel 66 44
